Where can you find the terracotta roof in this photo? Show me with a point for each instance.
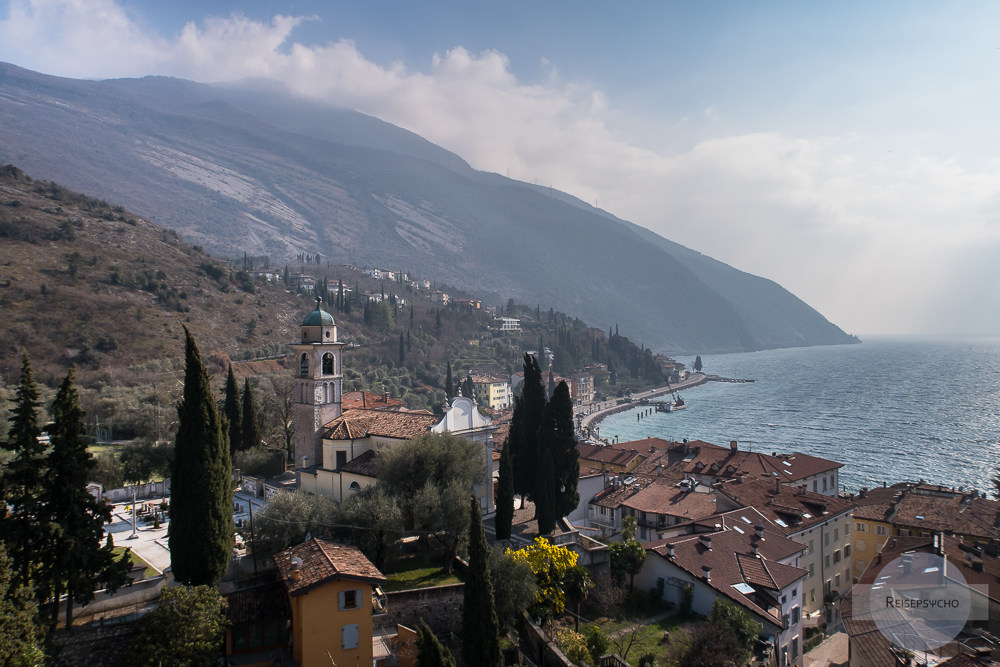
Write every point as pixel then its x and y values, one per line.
pixel 619 456
pixel 366 399
pixel 362 465
pixel 358 423
pixel 774 546
pixel 732 561
pixel 698 457
pixel 668 500
pixel 261 603
pixel 792 510
pixel 613 496
pixel 324 561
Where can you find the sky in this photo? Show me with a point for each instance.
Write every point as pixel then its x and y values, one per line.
pixel 848 151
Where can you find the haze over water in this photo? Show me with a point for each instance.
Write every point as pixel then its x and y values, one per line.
pixel 889 409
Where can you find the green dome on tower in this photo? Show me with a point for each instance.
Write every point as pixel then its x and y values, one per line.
pixel 318 317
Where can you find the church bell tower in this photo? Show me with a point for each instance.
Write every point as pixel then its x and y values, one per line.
pixel 319 377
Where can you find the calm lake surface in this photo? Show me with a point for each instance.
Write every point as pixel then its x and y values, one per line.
pixel 889 409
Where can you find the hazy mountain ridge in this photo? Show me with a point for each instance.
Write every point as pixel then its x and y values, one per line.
pixel 236 171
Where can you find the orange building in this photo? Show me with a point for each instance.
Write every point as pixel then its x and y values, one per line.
pixel 333 591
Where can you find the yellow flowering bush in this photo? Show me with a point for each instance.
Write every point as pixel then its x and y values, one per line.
pixel 550 563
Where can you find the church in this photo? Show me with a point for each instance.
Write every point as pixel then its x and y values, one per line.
pixel 335 448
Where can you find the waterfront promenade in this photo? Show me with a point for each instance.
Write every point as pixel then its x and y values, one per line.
pixel 593 413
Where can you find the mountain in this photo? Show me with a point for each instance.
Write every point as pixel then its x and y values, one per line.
pixel 249 168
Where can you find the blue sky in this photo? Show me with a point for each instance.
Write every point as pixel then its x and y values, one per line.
pixel 845 150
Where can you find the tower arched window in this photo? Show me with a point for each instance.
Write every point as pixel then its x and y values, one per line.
pixel 327 364
pixel 355 486
pixel 304 365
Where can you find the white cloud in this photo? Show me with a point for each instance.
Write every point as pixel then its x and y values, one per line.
pixel 875 240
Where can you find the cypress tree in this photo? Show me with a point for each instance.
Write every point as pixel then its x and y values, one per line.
pixel 234 413
pixel 480 626
pixel 524 428
pixel 201 508
pixel 430 651
pixel 402 349
pixel 449 383
pixel 505 493
pixel 251 423
pixel 560 438
pixel 22 481
pixel 75 560
pixel 545 494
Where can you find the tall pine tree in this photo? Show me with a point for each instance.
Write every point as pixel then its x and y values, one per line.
pixel 523 435
pixel 480 626
pixel 505 493
pixel 430 651
pixel 559 436
pixel 251 423
pixel 545 493
pixel 201 507
pixel 234 413
pixel 22 482
pixel 75 560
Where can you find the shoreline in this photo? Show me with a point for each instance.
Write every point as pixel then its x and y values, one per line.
pixel 595 416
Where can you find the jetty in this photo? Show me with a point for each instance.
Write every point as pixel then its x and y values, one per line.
pixel 719 378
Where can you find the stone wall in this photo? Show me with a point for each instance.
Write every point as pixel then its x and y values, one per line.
pixel 439 606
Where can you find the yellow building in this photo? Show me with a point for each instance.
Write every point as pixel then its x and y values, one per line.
pixel 333 593
pixel 492 392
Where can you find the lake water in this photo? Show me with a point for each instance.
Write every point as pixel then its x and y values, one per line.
pixel 889 409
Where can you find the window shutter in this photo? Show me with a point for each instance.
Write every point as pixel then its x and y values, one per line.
pixel 349 634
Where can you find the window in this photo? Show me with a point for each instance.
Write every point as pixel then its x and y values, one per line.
pixel 796 615
pixel 861 545
pixel 826 539
pixel 836 534
pixel 838 582
pixel 812 595
pixel 812 567
pixel 880 530
pixel 349 636
pixel 304 366
pixel 860 527
pixel 836 556
pixel 327 364
pixel 903 532
pixel 847 551
pixel 350 599
pixel 795 647
pixel 812 547
pixel 814 486
pixel 354 486
pixel 341 459
pixel 824 483
pixel 827 561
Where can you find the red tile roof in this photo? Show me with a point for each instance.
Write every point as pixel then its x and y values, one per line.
pixel 366 399
pixel 792 510
pixel 668 500
pixel 324 561
pixel 617 456
pixel 732 561
pixel 358 423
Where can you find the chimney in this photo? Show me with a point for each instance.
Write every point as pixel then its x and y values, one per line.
pixel 756 550
pixel 296 568
pixel 777 485
pixel 706 572
pixel 759 531
pixel 364 403
pixel 706 541
pixel 385 396
pixel 670 551
pixel 732 445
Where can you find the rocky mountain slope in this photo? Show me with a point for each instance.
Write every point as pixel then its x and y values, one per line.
pixel 249 169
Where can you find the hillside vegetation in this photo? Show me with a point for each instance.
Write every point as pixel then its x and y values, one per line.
pixel 88 283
